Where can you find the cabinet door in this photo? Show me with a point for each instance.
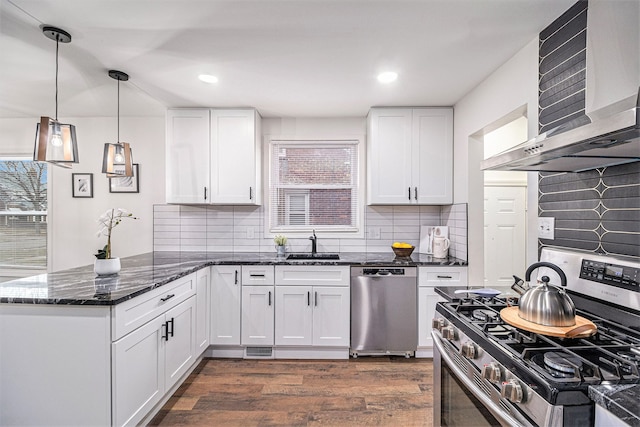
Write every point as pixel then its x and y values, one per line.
pixel 225 305
pixel 389 156
pixel 203 304
pixel 427 299
pixel 180 344
pixel 331 314
pixel 257 315
pixel 187 156
pixel 234 156
pixel 138 373
pixel 432 159
pixel 294 311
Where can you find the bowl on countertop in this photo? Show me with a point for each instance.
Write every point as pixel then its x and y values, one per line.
pixel 403 252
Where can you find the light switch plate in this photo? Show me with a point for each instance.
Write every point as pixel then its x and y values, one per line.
pixel 546 227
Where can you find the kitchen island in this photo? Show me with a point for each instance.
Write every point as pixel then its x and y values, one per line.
pixel 84 350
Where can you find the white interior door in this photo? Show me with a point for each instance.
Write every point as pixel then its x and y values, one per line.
pixel 504 234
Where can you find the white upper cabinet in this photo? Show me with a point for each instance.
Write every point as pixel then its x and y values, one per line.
pixel 235 157
pixel 410 156
pixel 213 156
pixel 187 156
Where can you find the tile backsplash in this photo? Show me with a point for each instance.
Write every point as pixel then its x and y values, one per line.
pixel 241 229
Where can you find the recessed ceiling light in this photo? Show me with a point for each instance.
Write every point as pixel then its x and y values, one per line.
pixel 208 78
pixel 387 77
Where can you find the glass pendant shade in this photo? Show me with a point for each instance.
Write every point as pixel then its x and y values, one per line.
pixel 117 160
pixel 55 143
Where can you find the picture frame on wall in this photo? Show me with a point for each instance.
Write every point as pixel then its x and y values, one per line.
pixel 82 185
pixel 126 184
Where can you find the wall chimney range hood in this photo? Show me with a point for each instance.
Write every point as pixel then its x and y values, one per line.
pixel 610 137
pixel 589 84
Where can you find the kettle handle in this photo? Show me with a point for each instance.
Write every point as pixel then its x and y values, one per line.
pixel 563 277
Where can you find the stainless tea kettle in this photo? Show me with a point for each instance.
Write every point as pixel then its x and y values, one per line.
pixel 545 304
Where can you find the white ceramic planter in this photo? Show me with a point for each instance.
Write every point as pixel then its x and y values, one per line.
pixel 106 267
pixel 281 250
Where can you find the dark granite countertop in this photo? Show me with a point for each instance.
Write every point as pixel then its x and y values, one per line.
pixel 142 273
pixel 622 400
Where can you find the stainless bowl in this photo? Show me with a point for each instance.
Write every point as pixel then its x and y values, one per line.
pixel 546 304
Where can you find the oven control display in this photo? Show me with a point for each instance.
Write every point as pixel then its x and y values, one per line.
pixel 611 274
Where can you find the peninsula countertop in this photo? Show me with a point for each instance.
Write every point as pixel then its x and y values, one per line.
pixel 145 272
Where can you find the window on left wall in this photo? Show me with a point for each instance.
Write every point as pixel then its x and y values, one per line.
pixel 23 218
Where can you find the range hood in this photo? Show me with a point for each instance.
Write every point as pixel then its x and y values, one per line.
pixel 610 136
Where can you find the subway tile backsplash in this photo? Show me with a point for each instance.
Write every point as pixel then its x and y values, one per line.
pixel 241 229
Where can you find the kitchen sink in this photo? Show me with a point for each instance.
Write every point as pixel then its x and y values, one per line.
pixel 310 256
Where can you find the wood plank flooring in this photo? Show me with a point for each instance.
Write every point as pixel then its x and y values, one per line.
pixel 367 391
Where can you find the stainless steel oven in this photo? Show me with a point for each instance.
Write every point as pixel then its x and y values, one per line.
pixel 488 372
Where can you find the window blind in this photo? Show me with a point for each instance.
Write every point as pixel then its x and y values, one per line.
pixel 313 185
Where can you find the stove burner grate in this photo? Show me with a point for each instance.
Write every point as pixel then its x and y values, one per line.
pixel 485 315
pixel 563 362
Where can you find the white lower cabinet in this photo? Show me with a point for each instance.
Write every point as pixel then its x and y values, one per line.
pixel 203 309
pixel 312 315
pixel 312 310
pixel 257 315
pixel 149 361
pixel 226 294
pixel 428 279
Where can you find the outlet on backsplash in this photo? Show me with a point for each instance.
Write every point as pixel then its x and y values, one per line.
pixel 373 233
pixel 250 233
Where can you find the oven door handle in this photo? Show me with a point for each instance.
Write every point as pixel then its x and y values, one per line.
pixel 504 418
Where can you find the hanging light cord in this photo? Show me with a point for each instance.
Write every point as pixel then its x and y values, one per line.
pixel 57 47
pixel 118 140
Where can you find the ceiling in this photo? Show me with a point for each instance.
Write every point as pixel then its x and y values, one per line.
pixel 288 58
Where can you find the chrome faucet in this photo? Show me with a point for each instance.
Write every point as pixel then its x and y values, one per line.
pixel 314 241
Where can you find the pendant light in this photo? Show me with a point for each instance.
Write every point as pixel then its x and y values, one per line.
pixel 117 159
pixel 56 142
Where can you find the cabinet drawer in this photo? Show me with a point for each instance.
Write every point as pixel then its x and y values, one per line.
pixel 257 275
pixel 313 275
pixel 137 311
pixel 442 276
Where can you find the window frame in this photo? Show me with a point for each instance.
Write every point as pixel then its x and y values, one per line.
pixel 357 231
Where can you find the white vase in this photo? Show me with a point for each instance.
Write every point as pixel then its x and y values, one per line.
pixel 106 267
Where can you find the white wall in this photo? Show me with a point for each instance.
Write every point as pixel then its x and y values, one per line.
pixel 72 221
pixel 508 89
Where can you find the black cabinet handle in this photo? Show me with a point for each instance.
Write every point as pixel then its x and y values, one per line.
pixel 250 193
pixel 171 330
pixel 167 298
pixel 444 277
pixel 269 297
pixel 316 299
pixel 236 277
pixel 205 193
pixel 308 298
pixel 415 193
pixel 256 275
pixel 165 331
pixel 409 189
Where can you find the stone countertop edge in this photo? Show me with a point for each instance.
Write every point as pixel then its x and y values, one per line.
pixel 622 400
pixel 448 292
pixel 145 272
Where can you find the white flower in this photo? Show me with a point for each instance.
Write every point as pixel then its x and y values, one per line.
pixel 108 221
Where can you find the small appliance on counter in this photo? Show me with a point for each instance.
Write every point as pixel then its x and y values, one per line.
pixel 496 372
pixel 427 235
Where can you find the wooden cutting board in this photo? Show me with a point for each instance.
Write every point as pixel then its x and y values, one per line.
pixel 582 329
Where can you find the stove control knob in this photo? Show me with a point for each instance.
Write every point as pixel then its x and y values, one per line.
pixel 469 350
pixel 492 372
pixel 438 323
pixel 450 333
pixel 512 390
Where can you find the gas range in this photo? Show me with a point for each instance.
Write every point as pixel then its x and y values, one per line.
pixel 526 378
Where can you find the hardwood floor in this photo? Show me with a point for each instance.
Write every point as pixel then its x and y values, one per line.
pixel 367 391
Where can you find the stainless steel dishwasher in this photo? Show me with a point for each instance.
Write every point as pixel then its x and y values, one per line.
pixel 384 311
